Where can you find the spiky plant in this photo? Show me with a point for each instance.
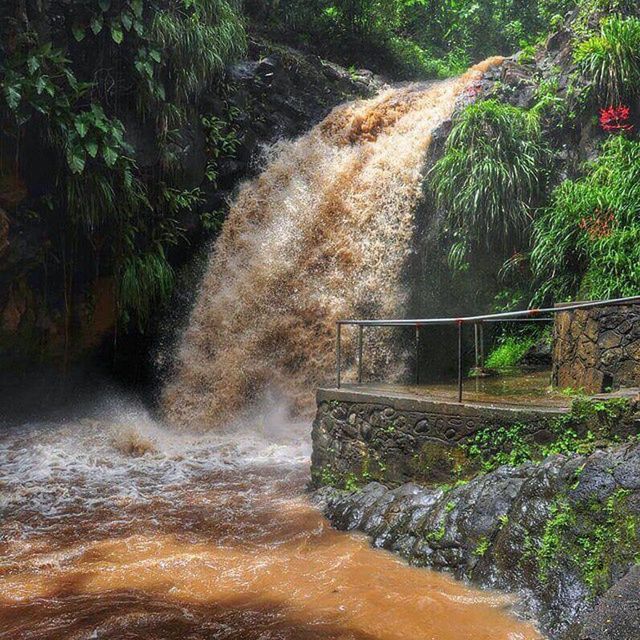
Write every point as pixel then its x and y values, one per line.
pixel 144 279
pixel 492 171
pixel 197 39
pixel 611 59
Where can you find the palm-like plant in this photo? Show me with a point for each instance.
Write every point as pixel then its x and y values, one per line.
pixel 612 58
pixel 492 171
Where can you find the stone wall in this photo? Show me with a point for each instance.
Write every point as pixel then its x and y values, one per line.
pixel 359 436
pixel 597 349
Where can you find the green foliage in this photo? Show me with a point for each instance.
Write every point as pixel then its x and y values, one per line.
pixel 593 537
pixel 490 176
pixel 438 534
pixel 587 242
pixel 510 352
pixel 589 424
pixel 482 547
pixel 611 59
pixel 410 38
pixel 68 87
pixel 197 39
pixel 145 279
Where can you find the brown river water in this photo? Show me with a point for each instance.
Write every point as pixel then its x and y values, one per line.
pixel 114 527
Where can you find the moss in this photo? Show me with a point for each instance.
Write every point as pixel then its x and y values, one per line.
pixel 593 537
pixel 437 534
pixel 436 462
pixel 482 547
pixel 590 424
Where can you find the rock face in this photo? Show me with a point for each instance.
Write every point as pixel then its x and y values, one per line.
pixel 597 348
pixel 563 533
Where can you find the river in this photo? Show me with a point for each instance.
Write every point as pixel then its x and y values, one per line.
pixel 115 527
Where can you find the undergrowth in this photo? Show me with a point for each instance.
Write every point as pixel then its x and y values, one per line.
pixel 586 243
pixel 589 424
pixel 488 180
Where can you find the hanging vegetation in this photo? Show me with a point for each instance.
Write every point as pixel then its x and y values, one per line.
pixel 489 179
pixel 70 84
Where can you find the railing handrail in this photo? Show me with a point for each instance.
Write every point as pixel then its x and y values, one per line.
pixel 525 313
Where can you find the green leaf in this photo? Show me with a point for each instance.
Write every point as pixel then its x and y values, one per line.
pixel 96 24
pixel 41 83
pixel 127 21
pixel 76 159
pixel 81 127
pixel 13 97
pixel 110 156
pixel 33 64
pixel 136 7
pixel 138 27
pixel 155 55
pixel 104 4
pixel 92 148
pixel 116 33
pixel 78 32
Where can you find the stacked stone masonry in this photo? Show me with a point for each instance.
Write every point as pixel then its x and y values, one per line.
pixel 597 349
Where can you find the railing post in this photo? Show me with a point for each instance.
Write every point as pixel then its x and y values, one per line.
pixel 477 344
pixel 360 332
pixel 460 361
pixel 338 353
pixel 482 344
pixel 417 355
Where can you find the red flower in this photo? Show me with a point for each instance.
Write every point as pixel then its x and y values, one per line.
pixel 616 119
pixel 598 225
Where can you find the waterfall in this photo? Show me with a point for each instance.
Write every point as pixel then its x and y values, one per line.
pixel 323 233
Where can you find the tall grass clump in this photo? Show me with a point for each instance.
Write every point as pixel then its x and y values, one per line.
pixel 587 242
pixel 197 39
pixel 490 177
pixel 611 59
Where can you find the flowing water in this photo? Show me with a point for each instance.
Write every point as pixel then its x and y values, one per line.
pixel 118 529
pixel 115 527
pixel 323 233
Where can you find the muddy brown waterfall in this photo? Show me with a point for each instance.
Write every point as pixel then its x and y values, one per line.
pixel 323 233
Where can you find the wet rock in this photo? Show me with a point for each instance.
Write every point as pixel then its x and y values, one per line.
pixel 502 530
pixel 617 614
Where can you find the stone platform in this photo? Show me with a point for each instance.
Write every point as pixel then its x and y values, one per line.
pixel 397 435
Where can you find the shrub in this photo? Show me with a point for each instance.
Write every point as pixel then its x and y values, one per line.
pixel 509 352
pixel 611 60
pixel 491 175
pixel 587 242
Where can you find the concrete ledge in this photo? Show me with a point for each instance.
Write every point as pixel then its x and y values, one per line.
pixel 404 402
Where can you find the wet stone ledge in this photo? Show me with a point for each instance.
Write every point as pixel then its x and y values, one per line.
pixel 360 436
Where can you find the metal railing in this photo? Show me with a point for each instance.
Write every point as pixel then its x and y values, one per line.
pixel 528 315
